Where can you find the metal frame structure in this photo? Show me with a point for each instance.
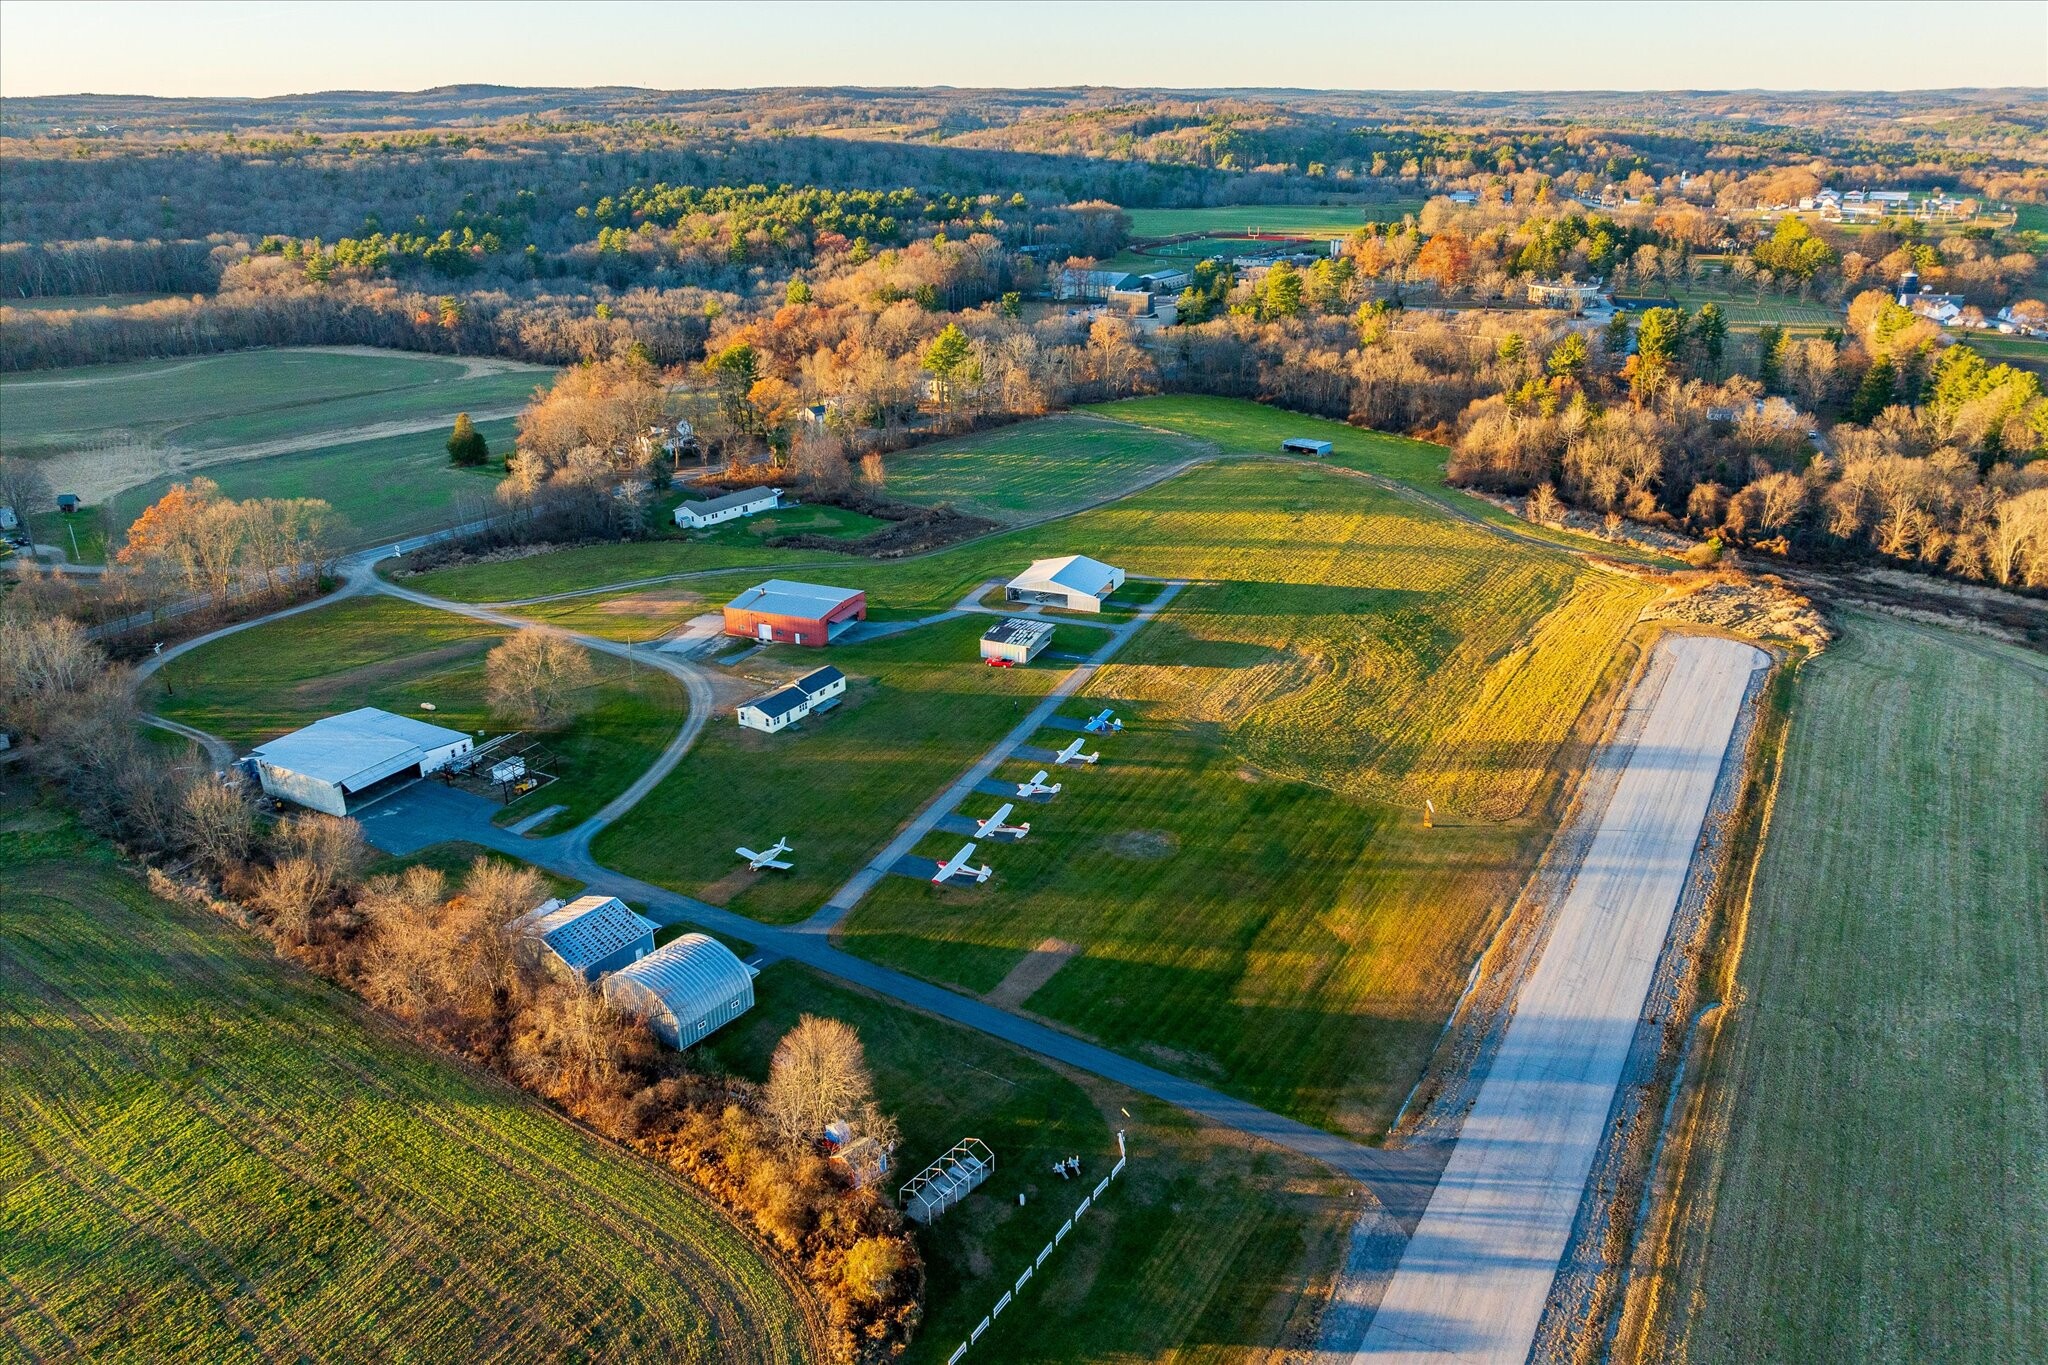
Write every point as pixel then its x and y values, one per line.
pixel 939 1186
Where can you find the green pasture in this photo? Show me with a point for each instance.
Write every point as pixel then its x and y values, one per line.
pixel 387 489
pixel 208 1154
pixel 377 651
pixel 1036 470
pixel 1877 1185
pixel 1237 219
pixel 242 398
pixel 920 707
pixel 1202 1240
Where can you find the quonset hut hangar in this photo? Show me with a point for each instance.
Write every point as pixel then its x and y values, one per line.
pixel 347 758
pixel 684 989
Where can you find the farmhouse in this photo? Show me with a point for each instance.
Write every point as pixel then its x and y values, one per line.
pixel 1302 445
pixel 343 758
pixel 684 989
pixel 731 507
pixel 1075 581
pixel 1016 638
pixel 795 613
pixel 589 936
pixel 813 692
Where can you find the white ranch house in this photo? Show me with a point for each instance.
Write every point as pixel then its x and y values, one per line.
pixel 696 515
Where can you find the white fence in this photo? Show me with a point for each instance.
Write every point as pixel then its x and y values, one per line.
pixel 1080 1210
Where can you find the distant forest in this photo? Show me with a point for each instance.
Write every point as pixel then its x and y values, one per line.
pixel 904 261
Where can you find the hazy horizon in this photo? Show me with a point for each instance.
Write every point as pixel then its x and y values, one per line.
pixel 213 50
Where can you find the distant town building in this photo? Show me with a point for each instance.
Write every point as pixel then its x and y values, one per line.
pixel 1563 294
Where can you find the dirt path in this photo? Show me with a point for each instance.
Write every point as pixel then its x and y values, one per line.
pixel 1035 969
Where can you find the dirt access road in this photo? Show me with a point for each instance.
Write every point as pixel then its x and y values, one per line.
pixel 1473 1279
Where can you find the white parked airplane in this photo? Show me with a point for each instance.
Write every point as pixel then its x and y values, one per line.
pixel 1036 786
pixel 957 865
pixel 1072 754
pixel 994 824
pixel 769 858
pixel 1103 722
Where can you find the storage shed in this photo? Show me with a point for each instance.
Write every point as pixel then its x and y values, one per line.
pixel 696 515
pixel 684 989
pixel 347 757
pixel 1016 638
pixel 1075 582
pixel 795 613
pixel 1302 445
pixel 589 936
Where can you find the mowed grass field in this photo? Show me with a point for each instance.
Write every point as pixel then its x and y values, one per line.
pixel 920 707
pixel 1883 1194
pixel 244 397
pixel 206 1154
pixel 1207 1248
pixel 1231 219
pixel 1741 307
pixel 1243 886
pixel 378 651
pixel 1041 469
pixel 387 488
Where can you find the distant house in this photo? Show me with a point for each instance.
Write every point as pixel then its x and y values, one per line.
pixel 1093 285
pixel 1302 445
pixel 1564 294
pixel 1463 196
pixel 8 521
pixel 588 936
pixel 684 990
pixel 67 503
pixel 796 613
pixel 819 690
pixel 817 414
pixel 1016 638
pixel 697 515
pixel 1074 581
pixel 1944 309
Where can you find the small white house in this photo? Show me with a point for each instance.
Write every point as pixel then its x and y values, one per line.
pixel 1018 639
pixel 1075 582
pixel 695 516
pixel 684 989
pixel 816 691
pixel 341 758
pixel 589 936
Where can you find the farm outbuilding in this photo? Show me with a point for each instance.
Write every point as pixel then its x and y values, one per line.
pixel 685 989
pixel 781 611
pixel 589 936
pixel 1302 445
pixel 1016 638
pixel 1074 581
pixel 696 515
pixel 818 690
pixel 344 758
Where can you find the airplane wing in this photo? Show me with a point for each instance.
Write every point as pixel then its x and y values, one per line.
pixel 996 821
pixel 954 863
pixel 747 853
pixel 777 863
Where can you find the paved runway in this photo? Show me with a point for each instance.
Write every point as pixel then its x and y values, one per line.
pixel 1473 1279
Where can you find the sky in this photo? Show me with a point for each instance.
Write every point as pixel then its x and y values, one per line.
pixel 269 47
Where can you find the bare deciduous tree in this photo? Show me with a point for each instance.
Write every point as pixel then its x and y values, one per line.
pixel 819 1075
pixel 538 678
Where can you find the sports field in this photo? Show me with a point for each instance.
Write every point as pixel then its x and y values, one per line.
pixel 1041 469
pixel 1882 1103
pixel 1204 1245
pixel 387 489
pixel 1742 308
pixel 919 708
pixel 206 1154
pixel 1234 219
pixel 378 651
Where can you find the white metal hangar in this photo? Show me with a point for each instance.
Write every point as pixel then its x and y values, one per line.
pixel 589 936
pixel 1016 639
pixel 1075 582
pixel 343 758
pixel 684 989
